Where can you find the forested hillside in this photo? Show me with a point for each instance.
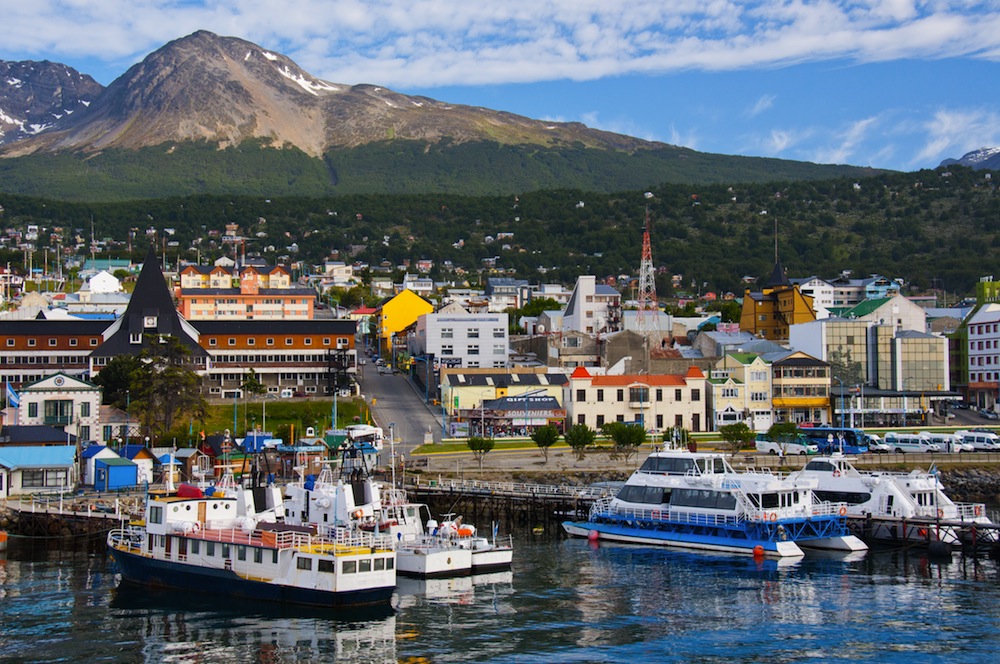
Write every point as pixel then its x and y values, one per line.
pixel 931 228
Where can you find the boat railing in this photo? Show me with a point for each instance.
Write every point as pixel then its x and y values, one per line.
pixel 126 539
pixel 515 488
pixel 970 511
pixel 827 508
pixel 603 507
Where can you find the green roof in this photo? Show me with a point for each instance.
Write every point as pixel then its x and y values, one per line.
pixel 861 309
pixel 744 358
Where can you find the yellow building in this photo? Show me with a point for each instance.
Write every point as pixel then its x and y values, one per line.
pixel 768 313
pixel 800 389
pixel 397 314
pixel 740 391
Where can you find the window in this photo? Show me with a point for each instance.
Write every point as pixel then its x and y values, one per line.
pixel 85 433
pixel 621 395
pixel 474 349
pixel 209 548
pixel 581 395
pixel 32 409
pixel 350 567
pixel 269 341
pixel 72 343
pixel 31 343
pixel 638 394
pixel 213 342
pixel 498 333
pixel 677 395
pixel 232 341
pixel 304 563
pixel 156 514
pixel 447 333
pixel 288 341
pixel 600 395
pixel 10 341
pixel 241 552
pixel 581 419
pixel 135 338
pixel 474 334
pixel 659 394
pixel 447 350
pixel 600 421
pixel 85 409
pixel 52 342
pixel 327 566
pixel 251 341
pixel 730 392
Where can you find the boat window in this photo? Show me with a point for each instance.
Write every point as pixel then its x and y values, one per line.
pixel 304 563
pixel 274 556
pixel 702 498
pixel 650 495
pixel 350 567
pixel 365 565
pixel 768 500
pixel 849 497
pixel 241 553
pixel 379 564
pixel 156 514
pixel 258 555
pixel 225 550
pixel 327 566
pixel 210 548
pixel 195 546
pixel 668 465
pixel 390 563
pixel 824 466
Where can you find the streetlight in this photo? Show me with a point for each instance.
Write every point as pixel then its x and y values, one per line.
pixel 841 399
pixel 128 408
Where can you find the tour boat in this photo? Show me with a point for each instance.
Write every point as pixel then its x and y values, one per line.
pixel 697 500
pixel 218 542
pixel 910 507
pixel 356 500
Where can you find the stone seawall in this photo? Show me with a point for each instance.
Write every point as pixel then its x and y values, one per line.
pixel 972 485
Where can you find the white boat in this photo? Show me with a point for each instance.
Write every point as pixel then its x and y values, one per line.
pixel 488 554
pixel 903 506
pixel 697 500
pixel 219 543
pixel 355 500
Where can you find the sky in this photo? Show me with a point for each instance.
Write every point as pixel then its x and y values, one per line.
pixel 897 84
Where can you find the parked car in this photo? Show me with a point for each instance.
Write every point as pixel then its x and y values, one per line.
pixel 800 446
pixel 989 414
pixel 382 369
pixel 981 441
pixel 900 443
pixel 875 443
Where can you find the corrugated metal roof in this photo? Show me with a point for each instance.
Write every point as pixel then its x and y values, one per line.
pixel 46 456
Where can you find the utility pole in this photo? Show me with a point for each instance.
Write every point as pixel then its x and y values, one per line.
pixel 649 310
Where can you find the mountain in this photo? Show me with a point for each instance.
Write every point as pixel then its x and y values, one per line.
pixel 211 114
pixel 981 159
pixel 224 90
pixel 35 97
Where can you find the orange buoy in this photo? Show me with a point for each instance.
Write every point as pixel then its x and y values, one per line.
pixel 593 536
pixel 758 551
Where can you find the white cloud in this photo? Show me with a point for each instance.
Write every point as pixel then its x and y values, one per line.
pixel 952 133
pixel 763 103
pixel 421 43
pixel 846 143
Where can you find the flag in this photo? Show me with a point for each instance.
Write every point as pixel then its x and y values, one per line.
pixel 13 398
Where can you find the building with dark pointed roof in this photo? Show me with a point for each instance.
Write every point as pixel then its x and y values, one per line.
pixel 769 312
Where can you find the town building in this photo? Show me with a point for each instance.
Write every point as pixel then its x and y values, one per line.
pixel 656 402
pixel 740 391
pixel 461 339
pixel 768 313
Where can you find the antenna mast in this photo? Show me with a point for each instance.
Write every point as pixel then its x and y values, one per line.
pixel 649 310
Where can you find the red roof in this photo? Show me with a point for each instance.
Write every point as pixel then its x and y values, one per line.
pixel 632 379
pixel 580 372
pixel 363 311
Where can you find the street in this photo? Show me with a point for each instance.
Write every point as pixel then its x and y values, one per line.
pixel 394 400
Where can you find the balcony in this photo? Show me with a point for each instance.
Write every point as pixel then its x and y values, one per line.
pixel 57 420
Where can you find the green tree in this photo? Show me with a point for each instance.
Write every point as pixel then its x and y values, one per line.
pixel 579 437
pixel 480 448
pixel 545 437
pixel 783 432
pixel 166 385
pixel 116 377
pixel 736 436
pixel 626 437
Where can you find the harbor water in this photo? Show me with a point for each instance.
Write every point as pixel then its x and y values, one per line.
pixel 565 601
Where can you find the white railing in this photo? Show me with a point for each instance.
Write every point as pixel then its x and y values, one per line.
pixel 603 507
pixel 518 488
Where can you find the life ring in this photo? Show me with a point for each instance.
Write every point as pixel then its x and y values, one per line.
pixel 358 514
pixel 978 511
pixel 940 513
pixel 836 473
pixel 774 516
pixel 655 514
pixel 843 511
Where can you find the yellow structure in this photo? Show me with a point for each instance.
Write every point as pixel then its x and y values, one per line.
pixel 800 389
pixel 741 391
pixel 768 313
pixel 397 314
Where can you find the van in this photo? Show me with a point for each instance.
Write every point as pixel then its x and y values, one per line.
pixel 901 443
pixel 799 446
pixel 981 441
pixel 949 442
pixel 287 393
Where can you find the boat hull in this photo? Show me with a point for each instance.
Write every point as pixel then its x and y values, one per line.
pixel 146 571
pixel 496 559
pixel 681 540
pixel 433 562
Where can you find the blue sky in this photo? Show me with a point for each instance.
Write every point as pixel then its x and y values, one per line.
pixel 899 84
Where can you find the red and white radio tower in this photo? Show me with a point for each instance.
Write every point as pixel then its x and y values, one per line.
pixel 649 310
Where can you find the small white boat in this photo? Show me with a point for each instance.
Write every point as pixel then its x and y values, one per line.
pixel 488 554
pixel 910 507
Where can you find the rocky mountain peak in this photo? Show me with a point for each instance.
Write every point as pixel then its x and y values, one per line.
pixel 38 96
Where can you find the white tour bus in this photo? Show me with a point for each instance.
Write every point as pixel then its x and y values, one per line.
pixel 910 442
